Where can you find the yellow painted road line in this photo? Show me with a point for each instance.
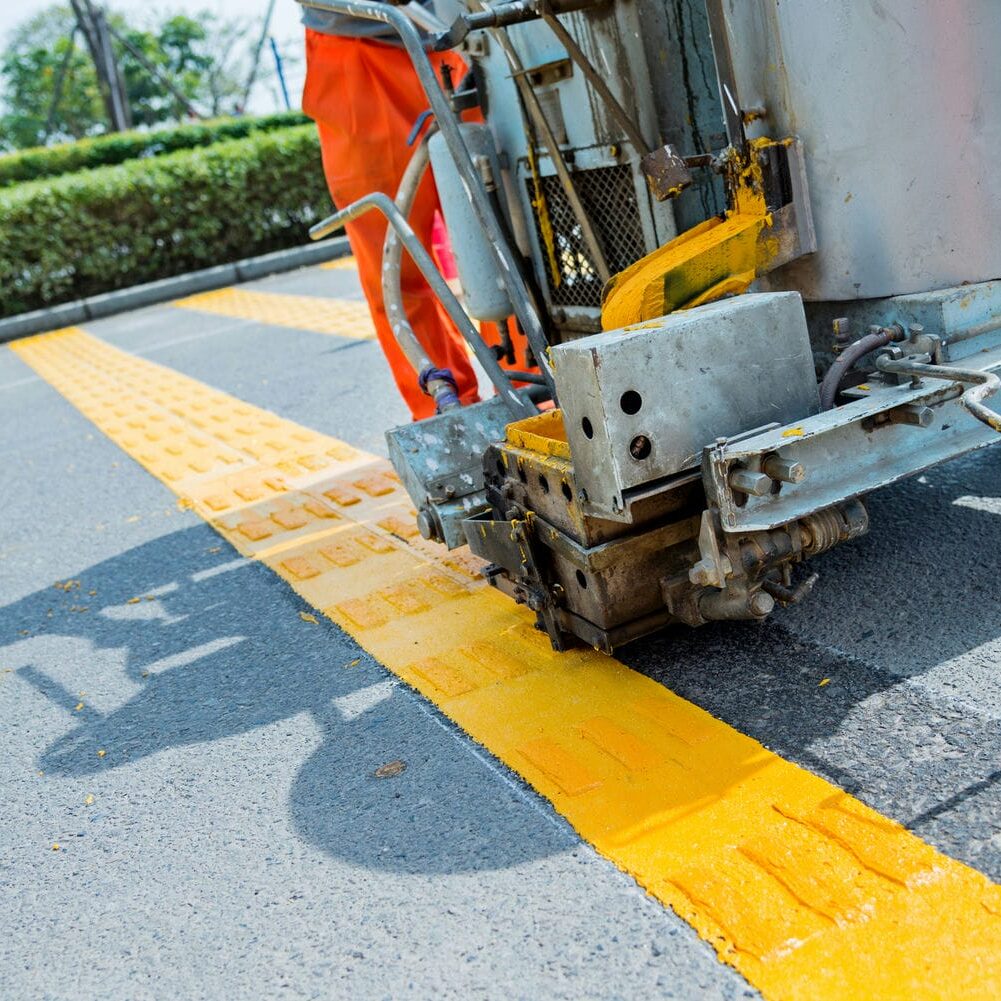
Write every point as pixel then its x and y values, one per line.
pixel 340 264
pixel 343 317
pixel 801 887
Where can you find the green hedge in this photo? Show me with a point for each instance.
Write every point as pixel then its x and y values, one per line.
pixel 113 227
pixel 103 151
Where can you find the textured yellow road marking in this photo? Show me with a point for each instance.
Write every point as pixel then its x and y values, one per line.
pixel 343 317
pixel 340 264
pixel 804 889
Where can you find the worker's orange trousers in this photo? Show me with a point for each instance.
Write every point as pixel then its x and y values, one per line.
pixel 365 97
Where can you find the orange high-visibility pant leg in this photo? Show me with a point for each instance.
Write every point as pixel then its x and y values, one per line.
pixel 365 97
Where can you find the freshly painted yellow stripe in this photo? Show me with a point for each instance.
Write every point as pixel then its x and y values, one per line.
pixel 343 317
pixel 801 887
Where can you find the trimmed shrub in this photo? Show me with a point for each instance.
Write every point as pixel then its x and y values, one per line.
pixel 103 151
pixel 114 227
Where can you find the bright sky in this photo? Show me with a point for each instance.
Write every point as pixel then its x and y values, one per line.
pixel 284 26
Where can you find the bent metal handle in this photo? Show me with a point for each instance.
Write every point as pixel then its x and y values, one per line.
pixel 973 399
pixel 383 203
pixel 984 384
pixel 517 289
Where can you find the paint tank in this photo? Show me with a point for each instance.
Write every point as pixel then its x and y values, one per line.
pixel 898 104
pixel 479 275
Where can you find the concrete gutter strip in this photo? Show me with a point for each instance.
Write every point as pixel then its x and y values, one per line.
pixel 95 307
pixel 282 260
pixel 121 300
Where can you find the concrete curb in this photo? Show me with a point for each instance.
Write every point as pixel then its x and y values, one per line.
pixel 106 304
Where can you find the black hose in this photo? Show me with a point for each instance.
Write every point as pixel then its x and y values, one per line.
pixel 851 354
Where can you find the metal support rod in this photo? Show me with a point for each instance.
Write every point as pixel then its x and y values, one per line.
pixel 386 205
pixel 732 115
pixel 501 15
pixel 280 70
pixel 514 282
pixel 424 18
pixel 629 128
pixel 539 121
pixel 983 384
pixel 790 595
pixel 94 30
pixel 113 72
pixel 256 59
pixel 57 90
pixel 155 72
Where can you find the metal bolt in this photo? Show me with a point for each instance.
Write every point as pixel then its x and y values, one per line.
pixel 535 602
pixel 746 482
pixel 842 330
pixel 918 416
pixel 427 525
pixel 786 470
pixel 760 604
pixel 639 447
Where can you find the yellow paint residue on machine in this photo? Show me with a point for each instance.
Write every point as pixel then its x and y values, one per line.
pixel 544 433
pixel 804 889
pixel 719 257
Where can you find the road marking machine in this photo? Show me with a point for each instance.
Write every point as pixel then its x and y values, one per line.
pixel 753 248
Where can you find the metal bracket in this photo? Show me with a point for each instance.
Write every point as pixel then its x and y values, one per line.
pixel 984 384
pixel 440 463
pixel 886 435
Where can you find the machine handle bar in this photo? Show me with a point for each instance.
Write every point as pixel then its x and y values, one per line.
pixel 384 204
pixel 514 281
pixel 982 384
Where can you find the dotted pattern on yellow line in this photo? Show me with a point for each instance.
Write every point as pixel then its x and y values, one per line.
pixel 342 317
pixel 801 887
pixel 340 264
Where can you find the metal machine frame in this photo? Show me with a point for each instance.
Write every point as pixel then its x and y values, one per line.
pixel 718 531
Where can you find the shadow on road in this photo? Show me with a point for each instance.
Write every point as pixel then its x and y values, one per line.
pixel 227 653
pixel 221 651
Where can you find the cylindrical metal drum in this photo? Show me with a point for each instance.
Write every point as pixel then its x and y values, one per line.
pixel 479 272
pixel 898 105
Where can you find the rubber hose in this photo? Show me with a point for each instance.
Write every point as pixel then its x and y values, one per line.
pixel 847 358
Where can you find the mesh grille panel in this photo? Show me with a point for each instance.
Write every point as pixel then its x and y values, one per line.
pixel 609 199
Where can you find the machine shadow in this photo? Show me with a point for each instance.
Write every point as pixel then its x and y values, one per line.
pixel 223 653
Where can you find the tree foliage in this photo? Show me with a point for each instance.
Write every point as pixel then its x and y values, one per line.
pixel 29 67
pixel 203 56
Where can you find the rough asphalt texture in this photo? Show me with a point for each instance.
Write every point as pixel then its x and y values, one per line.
pixel 238 845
